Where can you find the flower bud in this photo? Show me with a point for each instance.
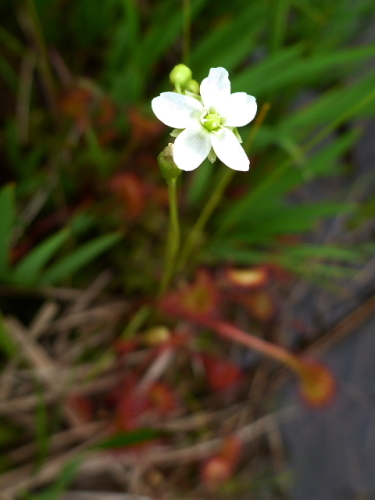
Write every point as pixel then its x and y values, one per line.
pixel 192 86
pixel 169 170
pixel 180 75
pixel 156 335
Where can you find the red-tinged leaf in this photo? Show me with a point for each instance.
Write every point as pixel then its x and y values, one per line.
pixel 131 192
pixel 125 346
pixel 261 305
pixel 75 103
pixel 143 129
pixel 248 278
pixel 199 298
pixel 105 111
pixel 220 468
pixel 163 398
pixel 221 373
pixel 132 404
pixel 81 406
pixel 317 383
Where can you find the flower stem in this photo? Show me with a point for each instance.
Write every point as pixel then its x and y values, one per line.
pixel 173 239
pixel 218 193
pixel 205 215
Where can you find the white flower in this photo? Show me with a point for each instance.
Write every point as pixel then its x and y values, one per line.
pixel 209 123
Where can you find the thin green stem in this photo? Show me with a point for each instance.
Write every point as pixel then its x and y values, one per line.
pixel 173 239
pixel 186 31
pixel 216 196
pixel 209 208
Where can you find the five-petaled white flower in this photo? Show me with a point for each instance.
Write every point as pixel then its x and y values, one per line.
pixel 208 123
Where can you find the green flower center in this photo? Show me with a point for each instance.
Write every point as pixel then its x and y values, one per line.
pixel 212 122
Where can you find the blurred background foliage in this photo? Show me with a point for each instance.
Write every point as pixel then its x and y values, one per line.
pixel 80 189
pixel 79 140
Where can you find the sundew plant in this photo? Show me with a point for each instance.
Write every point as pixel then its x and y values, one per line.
pixel 170 176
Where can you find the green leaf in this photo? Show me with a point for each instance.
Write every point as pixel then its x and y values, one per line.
pixel 282 179
pixel 30 268
pixel 7 221
pixel 254 77
pixel 128 438
pixel 304 260
pixel 221 46
pixel 313 69
pixel 7 344
pixel 79 258
pixel 325 252
pixel 330 106
pixel 281 219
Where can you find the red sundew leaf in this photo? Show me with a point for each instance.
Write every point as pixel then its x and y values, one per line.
pixel 159 195
pixel 260 304
pixel 106 111
pixel 179 340
pixel 131 191
pixel 132 404
pixel 279 273
pixel 200 298
pixel 143 129
pixel 82 406
pixel 125 346
pixel 163 398
pixel 220 468
pixel 107 137
pixel 221 373
pixel 231 449
pixel 75 103
pixel 248 278
pixel 318 385
pixel 216 471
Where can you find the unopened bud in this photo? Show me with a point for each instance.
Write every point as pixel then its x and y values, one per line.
pixel 156 335
pixel 192 86
pixel 180 75
pixel 169 170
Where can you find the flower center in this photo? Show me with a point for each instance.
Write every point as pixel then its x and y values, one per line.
pixel 212 122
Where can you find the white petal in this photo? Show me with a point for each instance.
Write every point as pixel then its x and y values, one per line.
pixel 176 110
pixel 229 150
pixel 215 88
pixel 239 109
pixel 191 147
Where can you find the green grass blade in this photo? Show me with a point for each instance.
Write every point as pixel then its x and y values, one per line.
pixel 7 221
pixel 128 438
pixel 285 177
pixel 221 45
pixel 317 68
pixel 79 258
pixel 279 26
pixel 30 268
pixel 253 78
pixel 6 342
